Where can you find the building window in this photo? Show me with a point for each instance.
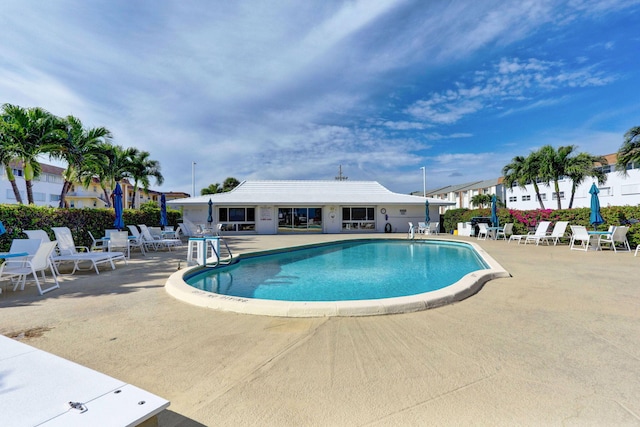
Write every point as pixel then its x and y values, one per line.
pixel 526 198
pixel 17 172
pixel 513 198
pixel 555 195
pixel 359 218
pixel 299 219
pixel 54 197
pixel 39 197
pixel 237 219
pixel 543 196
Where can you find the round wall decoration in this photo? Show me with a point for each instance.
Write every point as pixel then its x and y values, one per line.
pixel 383 211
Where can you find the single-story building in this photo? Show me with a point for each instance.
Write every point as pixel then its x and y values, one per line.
pixel 272 207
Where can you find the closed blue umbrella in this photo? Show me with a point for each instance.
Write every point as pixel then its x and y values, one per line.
pixel 427 218
pixel 117 206
pixel 595 218
pixel 2 229
pixel 163 211
pixel 210 217
pixel 494 211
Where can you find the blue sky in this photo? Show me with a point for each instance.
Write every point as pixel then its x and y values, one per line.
pixel 293 89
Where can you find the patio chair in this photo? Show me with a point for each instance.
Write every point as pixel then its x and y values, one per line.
pixel 68 252
pixel 434 228
pixel 119 240
pixel 540 234
pixel 20 247
pixel 34 264
pixel 156 242
pixel 617 238
pixel 37 235
pixel 423 228
pixel 483 231
pixel 136 241
pixel 637 249
pixel 580 234
pixel 557 233
pixel 505 231
pixel 96 244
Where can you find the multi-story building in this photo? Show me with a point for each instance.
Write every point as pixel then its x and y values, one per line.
pixel 48 186
pixel 461 194
pixel 618 190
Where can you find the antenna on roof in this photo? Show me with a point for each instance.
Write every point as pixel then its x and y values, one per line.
pixel 341 177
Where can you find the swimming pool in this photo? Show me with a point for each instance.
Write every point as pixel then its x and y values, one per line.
pixel 348 270
pixel 368 276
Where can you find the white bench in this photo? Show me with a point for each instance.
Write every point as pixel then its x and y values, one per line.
pixel 39 388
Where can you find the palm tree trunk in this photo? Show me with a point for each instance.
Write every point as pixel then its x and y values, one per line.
pixel 573 193
pixel 63 193
pixel 535 187
pixel 557 188
pixel 14 186
pixel 107 198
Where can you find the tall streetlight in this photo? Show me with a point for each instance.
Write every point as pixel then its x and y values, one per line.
pixel 193 179
pixel 424 181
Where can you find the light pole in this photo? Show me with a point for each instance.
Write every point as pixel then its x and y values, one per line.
pixel 193 179
pixel 424 181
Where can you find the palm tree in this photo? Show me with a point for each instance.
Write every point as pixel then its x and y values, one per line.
pixel 211 189
pixel 81 149
pixel 523 170
pixel 141 168
pixel 580 167
pixel 31 130
pixel 8 154
pixel 481 200
pixel 114 166
pixel 229 184
pixel 629 152
pixel 553 165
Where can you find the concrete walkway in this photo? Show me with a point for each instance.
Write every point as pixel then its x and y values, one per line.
pixel 556 344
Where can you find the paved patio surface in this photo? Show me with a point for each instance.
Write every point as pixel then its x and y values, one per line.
pixel 555 344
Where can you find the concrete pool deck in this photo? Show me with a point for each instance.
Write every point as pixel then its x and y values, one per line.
pixel 556 343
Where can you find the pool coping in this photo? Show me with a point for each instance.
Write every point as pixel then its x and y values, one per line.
pixel 467 286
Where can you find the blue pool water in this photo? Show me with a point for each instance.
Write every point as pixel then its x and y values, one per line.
pixel 350 270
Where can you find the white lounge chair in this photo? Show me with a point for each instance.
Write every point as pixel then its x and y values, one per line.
pixel 68 252
pixel 505 231
pixel 557 233
pixel 580 234
pixel 37 235
pixel 156 242
pixel 540 234
pixel 618 237
pixel 38 262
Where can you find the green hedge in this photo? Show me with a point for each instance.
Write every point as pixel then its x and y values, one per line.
pixel 22 217
pixel 525 221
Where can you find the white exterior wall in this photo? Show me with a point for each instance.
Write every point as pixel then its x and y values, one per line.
pixel 619 190
pixel 46 190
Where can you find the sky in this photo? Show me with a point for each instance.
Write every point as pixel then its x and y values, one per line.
pixel 295 89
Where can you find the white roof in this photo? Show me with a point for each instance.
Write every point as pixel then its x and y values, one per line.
pixel 329 192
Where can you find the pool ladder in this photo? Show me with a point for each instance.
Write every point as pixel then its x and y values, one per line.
pixel 200 247
pixel 219 260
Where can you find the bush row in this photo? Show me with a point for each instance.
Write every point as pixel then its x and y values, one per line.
pixel 525 221
pixel 25 217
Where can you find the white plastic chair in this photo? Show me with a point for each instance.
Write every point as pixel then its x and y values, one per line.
pixel 433 228
pixel 505 231
pixel 96 244
pixel 137 241
pixel 423 228
pixel 540 234
pixel 579 234
pixel 119 240
pixel 618 237
pixel 483 231
pixel 38 262
pixel 68 252
pixel 557 233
